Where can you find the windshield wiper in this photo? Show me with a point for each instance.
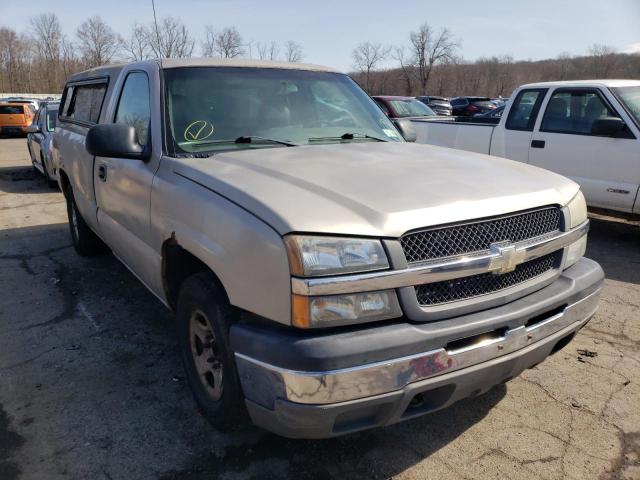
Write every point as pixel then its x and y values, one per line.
pixel 252 138
pixel 244 139
pixel 348 136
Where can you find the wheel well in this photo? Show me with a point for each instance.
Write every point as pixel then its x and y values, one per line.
pixel 178 264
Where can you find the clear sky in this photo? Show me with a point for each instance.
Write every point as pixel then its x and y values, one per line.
pixel 328 30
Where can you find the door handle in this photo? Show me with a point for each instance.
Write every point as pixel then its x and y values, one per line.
pixel 537 143
pixel 102 173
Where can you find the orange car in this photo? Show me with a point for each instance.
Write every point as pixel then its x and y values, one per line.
pixel 15 118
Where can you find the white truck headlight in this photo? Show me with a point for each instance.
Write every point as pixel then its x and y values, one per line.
pixel 336 310
pixel 577 210
pixel 311 256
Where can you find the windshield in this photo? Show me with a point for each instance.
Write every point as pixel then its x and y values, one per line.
pixel 11 110
pixel 210 107
pixel 411 108
pixel 630 96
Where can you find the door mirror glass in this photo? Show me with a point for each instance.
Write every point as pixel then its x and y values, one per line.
pixel 115 140
pixel 33 128
pixel 607 126
pixel 405 127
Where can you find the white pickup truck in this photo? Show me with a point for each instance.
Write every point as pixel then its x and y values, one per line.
pixel 587 130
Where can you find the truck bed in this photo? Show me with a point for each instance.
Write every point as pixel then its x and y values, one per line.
pixel 465 133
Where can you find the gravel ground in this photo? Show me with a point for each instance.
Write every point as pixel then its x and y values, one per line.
pixel 91 385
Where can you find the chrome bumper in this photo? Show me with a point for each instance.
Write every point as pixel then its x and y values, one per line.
pixel 345 384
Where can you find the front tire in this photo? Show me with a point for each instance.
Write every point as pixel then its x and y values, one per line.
pixel 85 242
pixel 203 319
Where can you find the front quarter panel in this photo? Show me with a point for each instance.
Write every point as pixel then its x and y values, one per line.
pixel 246 254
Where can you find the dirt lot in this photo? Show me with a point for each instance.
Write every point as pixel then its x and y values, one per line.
pixel 91 385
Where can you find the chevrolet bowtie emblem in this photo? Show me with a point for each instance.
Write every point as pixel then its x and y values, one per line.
pixel 506 259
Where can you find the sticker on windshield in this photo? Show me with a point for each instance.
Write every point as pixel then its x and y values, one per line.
pixel 198 130
pixel 390 133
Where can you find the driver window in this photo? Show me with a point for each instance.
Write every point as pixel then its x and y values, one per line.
pixel 133 106
pixel 574 111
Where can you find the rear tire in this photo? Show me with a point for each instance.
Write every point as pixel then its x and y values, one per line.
pixel 85 242
pixel 203 320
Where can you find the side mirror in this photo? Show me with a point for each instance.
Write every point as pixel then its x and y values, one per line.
pixel 33 128
pixel 114 140
pixel 607 126
pixel 405 127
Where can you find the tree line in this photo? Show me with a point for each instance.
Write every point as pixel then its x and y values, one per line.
pixel 40 59
pixel 429 63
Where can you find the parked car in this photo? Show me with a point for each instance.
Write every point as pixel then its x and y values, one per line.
pixel 440 105
pixel 469 106
pixel 31 101
pixel 39 138
pixel 495 113
pixel 15 118
pixel 588 130
pixel 327 276
pixel 403 107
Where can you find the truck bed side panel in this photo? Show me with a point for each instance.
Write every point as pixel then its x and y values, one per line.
pixel 463 136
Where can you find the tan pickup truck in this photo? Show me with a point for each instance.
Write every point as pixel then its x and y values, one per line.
pixel 327 275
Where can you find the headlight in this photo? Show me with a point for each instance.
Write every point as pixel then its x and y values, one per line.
pixel 577 215
pixel 312 256
pixel 336 310
pixel 577 210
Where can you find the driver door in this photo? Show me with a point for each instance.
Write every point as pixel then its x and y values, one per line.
pixel 605 167
pixel 123 186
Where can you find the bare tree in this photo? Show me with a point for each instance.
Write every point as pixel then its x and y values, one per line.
pixel 268 51
pixel 603 60
pixel 431 48
pixel 406 68
pixel 208 45
pixel 170 40
pixel 97 41
pixel 564 64
pixel 497 73
pixel 367 57
pixel 293 52
pixel 48 38
pixel 228 43
pixel 137 45
pixel 70 60
pixel 10 55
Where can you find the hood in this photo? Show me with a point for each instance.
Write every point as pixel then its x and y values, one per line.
pixel 372 189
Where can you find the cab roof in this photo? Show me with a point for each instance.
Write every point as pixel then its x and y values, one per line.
pixel 586 83
pixel 166 63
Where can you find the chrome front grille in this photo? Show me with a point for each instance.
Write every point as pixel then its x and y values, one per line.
pixel 464 288
pixel 477 236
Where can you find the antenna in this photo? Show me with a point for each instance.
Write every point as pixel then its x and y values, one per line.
pixel 155 22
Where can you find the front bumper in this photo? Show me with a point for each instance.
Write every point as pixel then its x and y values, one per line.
pixel 325 384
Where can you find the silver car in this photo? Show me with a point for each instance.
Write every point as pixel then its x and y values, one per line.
pixel 39 137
